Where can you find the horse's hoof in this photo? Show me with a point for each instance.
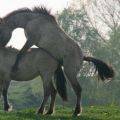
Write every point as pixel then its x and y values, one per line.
pixel 77 112
pixel 40 112
pixel 10 109
pixel 49 113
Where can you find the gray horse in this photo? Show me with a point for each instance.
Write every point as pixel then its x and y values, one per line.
pixel 35 62
pixel 42 30
pixel 38 62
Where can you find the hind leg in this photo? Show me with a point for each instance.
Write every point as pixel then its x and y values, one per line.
pixel 52 103
pixel 7 107
pixel 47 91
pixel 77 89
pixel 71 68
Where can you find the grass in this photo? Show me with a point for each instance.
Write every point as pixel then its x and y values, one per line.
pixel 89 113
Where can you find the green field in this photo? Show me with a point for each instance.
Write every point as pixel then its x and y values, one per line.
pixel 89 113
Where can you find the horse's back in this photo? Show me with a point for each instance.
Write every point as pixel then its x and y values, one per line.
pixel 34 63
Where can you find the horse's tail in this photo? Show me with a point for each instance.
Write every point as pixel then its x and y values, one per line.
pixel 61 83
pixel 104 71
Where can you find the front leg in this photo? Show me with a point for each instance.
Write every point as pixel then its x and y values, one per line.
pixel 27 45
pixel 7 106
pixel 15 66
pixel 6 103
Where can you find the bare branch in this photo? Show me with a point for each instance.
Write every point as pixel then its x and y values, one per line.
pixel 94 25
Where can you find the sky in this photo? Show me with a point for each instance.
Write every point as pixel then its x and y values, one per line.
pixel 6 6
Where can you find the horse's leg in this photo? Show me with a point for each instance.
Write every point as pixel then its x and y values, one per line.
pixel 52 103
pixel 71 68
pixel 77 88
pixel 46 87
pixel 7 107
pixel 27 45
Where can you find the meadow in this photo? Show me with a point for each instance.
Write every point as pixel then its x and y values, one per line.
pixel 64 113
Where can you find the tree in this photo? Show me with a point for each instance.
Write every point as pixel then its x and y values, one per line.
pixel 105 18
pixel 89 34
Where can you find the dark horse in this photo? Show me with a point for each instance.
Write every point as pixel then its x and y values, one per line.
pixel 42 30
pixel 45 66
pixel 29 68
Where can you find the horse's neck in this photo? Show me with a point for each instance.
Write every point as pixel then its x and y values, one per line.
pixel 19 20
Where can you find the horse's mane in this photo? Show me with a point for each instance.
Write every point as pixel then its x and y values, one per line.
pixel 42 10
pixel 22 10
pixel 39 10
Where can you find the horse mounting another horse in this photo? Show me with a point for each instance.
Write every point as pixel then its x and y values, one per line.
pixel 41 29
pixel 44 65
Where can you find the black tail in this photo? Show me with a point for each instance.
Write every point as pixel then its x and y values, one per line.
pixel 104 71
pixel 61 83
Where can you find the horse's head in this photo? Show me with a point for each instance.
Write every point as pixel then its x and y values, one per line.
pixel 5 33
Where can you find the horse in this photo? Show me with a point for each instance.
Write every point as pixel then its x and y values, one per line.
pixel 41 29
pixel 35 62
